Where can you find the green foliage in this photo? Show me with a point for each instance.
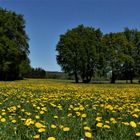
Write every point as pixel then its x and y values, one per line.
pixel 58 75
pixel 133 36
pixel 77 52
pixel 84 52
pixel 14 48
pixel 36 73
pixel 117 53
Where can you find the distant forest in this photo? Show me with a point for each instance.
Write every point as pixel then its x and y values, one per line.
pixel 84 53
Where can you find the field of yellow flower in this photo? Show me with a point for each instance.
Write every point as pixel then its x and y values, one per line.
pixel 50 110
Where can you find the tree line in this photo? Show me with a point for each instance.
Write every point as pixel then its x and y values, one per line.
pixel 14 48
pixel 85 52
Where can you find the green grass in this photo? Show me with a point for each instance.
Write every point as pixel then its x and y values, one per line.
pixel 24 100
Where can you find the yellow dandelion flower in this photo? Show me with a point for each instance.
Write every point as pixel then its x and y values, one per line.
pixel 69 115
pixel 125 123
pixel 88 134
pixel 66 129
pixel 138 134
pixel 106 126
pixel 87 128
pixel 78 113
pixel 107 122
pixel 40 130
pixel 14 121
pixel 36 136
pixel 39 125
pixel 41 112
pixel 84 115
pixel 53 126
pixel 135 115
pixel 133 124
pixel 28 122
pixel 113 120
pixel 37 117
pixel 18 106
pixel 3 120
pixel 3 113
pixel 76 109
pixel 99 124
pixel 98 119
pixel 51 138
pixel 55 117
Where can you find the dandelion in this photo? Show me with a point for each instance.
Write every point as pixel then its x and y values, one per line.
pixel 37 117
pixel 135 115
pixel 99 124
pixel 53 126
pixel 88 134
pixel 66 129
pixel 98 119
pixel 36 136
pixel 133 124
pixel 84 115
pixel 55 117
pixel 87 128
pixel 3 120
pixel 78 113
pixel 14 121
pixel 51 138
pixel 125 123
pixel 40 130
pixel 41 112
pixel 69 115
pixel 39 125
pixel 106 126
pixel 28 122
pixel 138 134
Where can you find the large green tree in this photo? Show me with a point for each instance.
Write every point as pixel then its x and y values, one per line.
pixel 77 52
pixel 133 37
pixel 14 48
pixel 117 53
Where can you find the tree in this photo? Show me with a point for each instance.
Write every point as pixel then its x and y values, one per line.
pixel 36 73
pixel 14 48
pixel 133 37
pixel 77 52
pixel 117 53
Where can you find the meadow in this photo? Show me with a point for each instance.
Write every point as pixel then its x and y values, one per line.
pixel 54 110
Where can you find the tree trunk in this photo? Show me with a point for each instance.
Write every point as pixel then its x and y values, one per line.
pixel 113 78
pixel 131 77
pixel 87 79
pixel 131 80
pixel 76 77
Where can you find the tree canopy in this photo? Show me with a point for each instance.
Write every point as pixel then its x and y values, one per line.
pixel 14 47
pixel 77 52
pixel 85 52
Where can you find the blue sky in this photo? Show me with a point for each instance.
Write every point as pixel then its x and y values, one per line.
pixel 47 19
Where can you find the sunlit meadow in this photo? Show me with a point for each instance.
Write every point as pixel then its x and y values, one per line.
pixel 52 110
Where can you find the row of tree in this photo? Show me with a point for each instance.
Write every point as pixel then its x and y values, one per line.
pixel 36 73
pixel 82 52
pixel 85 51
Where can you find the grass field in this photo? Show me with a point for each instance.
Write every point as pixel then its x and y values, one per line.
pixel 54 110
